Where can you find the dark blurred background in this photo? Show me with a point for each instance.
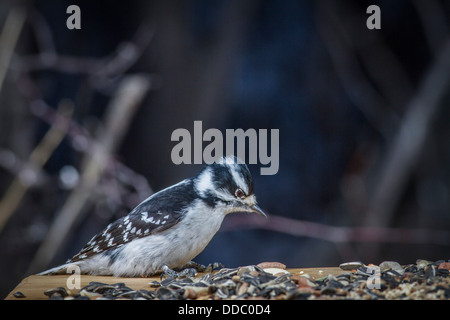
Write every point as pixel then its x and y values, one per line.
pixel 363 119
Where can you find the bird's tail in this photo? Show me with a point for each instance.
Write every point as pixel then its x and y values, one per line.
pixel 62 269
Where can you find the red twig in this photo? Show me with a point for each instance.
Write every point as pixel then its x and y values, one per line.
pixel 338 234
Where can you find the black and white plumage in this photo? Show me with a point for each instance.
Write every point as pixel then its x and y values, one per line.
pixel 171 227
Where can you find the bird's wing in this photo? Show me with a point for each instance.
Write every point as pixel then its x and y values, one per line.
pixel 159 212
pixel 139 223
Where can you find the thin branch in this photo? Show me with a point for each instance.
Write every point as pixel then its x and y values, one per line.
pixel 80 138
pixel 126 54
pixel 338 234
pixel 114 65
pixel 83 141
pixel 382 65
pixel 37 160
pixel 42 32
pixel 127 176
pixel 408 144
pixel 8 39
pixel 62 63
pixel 434 23
pixel 345 62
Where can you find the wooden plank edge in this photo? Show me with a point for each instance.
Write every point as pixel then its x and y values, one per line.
pixel 33 286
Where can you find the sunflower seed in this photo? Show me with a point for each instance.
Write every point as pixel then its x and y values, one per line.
pixel 166 294
pixel 275 271
pixel 59 291
pixel 242 288
pixel 348 266
pixel 19 295
pixel 266 265
pixel 391 265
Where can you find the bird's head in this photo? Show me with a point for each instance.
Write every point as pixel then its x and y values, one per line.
pixel 228 184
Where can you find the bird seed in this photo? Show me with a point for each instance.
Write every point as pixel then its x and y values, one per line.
pixel 421 280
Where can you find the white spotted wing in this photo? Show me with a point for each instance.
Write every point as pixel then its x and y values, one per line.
pixel 137 224
pixel 159 212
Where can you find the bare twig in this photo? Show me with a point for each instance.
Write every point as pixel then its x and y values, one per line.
pixel 8 39
pixel 407 145
pixel 127 176
pixel 38 158
pixel 345 61
pixel 62 63
pixel 335 234
pixel 126 54
pixel 118 117
pixel 82 141
pixel 434 22
pixel 383 66
pixel 113 65
pixel 42 32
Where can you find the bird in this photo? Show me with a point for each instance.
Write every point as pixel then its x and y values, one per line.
pixel 166 231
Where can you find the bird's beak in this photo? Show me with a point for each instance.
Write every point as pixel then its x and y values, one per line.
pixel 256 209
pixel 239 206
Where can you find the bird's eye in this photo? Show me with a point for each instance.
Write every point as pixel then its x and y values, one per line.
pixel 239 194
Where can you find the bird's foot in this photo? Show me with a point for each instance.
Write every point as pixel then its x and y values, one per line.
pixel 202 268
pixel 189 269
pixel 170 273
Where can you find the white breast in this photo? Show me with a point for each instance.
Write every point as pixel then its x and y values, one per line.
pixel 173 247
